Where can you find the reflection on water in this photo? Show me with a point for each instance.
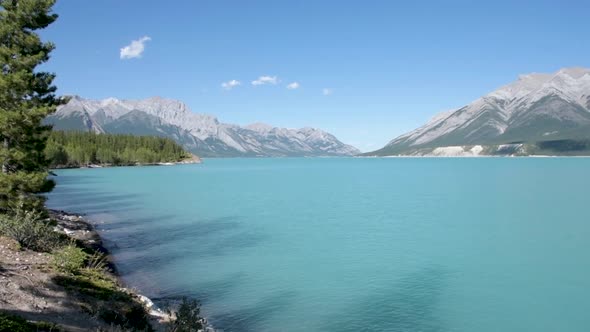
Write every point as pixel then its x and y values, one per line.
pixel 252 318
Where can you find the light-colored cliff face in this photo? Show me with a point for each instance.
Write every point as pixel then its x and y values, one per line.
pixel 535 107
pixel 200 133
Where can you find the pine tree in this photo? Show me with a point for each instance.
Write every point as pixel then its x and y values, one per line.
pixel 26 98
pixel 75 149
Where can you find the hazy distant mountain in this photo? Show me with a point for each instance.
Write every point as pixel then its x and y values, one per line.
pixel 202 134
pixel 536 108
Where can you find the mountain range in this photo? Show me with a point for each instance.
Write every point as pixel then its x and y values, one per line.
pixel 201 134
pixel 538 113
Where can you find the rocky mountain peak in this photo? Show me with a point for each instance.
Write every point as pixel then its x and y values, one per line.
pixel 202 134
pixel 535 107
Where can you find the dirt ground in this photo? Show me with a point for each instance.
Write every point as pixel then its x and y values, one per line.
pixel 28 286
pixel 27 290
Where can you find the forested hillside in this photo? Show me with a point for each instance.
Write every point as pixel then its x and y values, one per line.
pixel 74 149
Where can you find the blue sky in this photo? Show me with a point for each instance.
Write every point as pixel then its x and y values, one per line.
pixel 388 66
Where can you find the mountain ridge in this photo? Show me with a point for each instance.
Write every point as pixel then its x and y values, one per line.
pixel 536 107
pixel 202 134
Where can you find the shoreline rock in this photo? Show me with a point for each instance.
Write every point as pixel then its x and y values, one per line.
pixel 77 227
pixel 31 288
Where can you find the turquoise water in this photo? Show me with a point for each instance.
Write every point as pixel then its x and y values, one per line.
pixel 396 244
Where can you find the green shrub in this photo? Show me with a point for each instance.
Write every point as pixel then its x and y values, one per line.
pixel 30 230
pixel 10 323
pixel 188 317
pixel 97 262
pixel 92 283
pixel 101 297
pixel 128 315
pixel 69 259
pixel 46 326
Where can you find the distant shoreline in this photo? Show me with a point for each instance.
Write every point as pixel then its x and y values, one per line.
pixel 92 166
pixel 478 156
pixel 193 160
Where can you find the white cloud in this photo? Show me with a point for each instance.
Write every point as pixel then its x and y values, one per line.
pixel 293 86
pixel 230 84
pixel 266 80
pixel 135 49
pixel 327 91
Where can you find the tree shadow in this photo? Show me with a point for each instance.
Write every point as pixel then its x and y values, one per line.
pixel 67 179
pixel 253 317
pixel 208 291
pixel 67 314
pixel 408 305
pixel 89 203
pixel 152 248
pixel 99 296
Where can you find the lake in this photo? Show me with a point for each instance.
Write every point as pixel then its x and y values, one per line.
pixel 352 244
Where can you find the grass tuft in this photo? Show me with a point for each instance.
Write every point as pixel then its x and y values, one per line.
pixel 12 323
pixel 101 296
pixel 30 230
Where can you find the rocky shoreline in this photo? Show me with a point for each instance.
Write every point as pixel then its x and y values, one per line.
pixel 75 226
pixel 31 289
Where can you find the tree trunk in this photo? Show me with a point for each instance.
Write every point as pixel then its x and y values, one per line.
pixel 5 161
